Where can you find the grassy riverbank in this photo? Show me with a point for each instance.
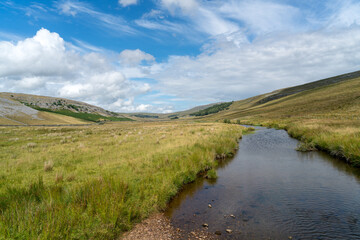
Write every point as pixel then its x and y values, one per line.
pixel 95 182
pixel 340 139
pixel 325 117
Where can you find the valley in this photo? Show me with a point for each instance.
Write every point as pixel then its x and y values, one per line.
pixel 109 171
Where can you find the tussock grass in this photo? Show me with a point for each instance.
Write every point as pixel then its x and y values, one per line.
pixel 98 187
pixel 305 147
pixel 48 166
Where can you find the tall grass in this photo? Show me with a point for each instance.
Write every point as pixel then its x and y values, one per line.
pixel 112 176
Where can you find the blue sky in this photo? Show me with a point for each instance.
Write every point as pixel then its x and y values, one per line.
pixel 170 55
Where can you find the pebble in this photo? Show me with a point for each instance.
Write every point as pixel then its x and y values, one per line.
pixel 205 225
pixel 228 230
pixel 233 216
pixel 209 206
pixel 218 232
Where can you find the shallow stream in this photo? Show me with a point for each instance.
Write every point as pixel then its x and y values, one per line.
pixel 274 192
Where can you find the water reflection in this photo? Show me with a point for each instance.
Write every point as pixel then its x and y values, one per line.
pixel 271 191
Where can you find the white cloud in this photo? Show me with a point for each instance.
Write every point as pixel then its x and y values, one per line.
pixel 126 3
pixel 195 21
pixel 129 106
pixel 219 17
pixel 31 82
pixel 43 65
pixel 229 71
pixel 29 57
pixel 186 6
pixel 261 17
pixel 210 22
pixel 346 14
pixel 135 57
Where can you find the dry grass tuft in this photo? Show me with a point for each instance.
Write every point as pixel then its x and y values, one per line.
pixel 71 177
pixel 31 145
pixel 59 177
pixel 48 166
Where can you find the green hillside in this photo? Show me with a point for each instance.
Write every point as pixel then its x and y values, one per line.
pixel 91 117
pixel 324 115
pixel 213 109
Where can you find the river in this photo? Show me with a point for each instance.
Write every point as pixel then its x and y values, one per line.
pixel 271 191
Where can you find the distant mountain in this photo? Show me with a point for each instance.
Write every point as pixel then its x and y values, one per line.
pixel 167 116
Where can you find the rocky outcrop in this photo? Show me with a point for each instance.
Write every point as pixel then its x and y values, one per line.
pixel 54 103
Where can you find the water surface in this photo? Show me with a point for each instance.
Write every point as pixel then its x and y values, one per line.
pixel 274 192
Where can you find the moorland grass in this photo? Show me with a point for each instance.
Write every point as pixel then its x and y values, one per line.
pixel 95 182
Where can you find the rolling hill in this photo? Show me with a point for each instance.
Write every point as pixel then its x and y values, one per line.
pixel 335 97
pixel 26 109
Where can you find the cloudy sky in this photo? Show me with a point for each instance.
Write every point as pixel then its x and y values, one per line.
pixel 170 55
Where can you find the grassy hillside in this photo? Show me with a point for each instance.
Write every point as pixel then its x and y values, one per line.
pixel 325 117
pixel 297 89
pixel 213 109
pixel 95 182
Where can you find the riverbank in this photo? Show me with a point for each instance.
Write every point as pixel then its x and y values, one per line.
pixel 338 137
pixel 99 181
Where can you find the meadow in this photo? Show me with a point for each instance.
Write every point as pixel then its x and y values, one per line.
pixel 96 182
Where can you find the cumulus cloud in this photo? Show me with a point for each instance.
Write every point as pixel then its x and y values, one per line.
pixel 43 65
pixel 126 3
pixel 135 57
